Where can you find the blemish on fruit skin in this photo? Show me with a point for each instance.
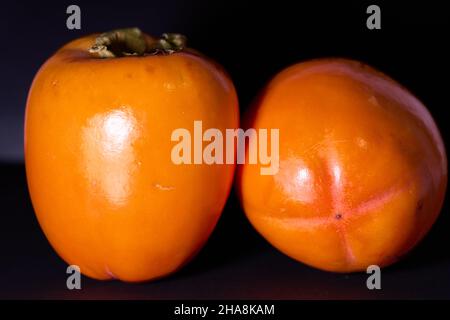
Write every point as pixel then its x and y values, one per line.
pixel 362 143
pixel 169 86
pixel 110 273
pixel 338 216
pixel 150 69
pixel 162 187
pixel 373 100
pixel 419 205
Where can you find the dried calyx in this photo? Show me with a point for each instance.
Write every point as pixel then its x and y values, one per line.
pixel 132 42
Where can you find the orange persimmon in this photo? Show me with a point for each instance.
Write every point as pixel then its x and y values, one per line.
pixel 362 167
pixel 98 126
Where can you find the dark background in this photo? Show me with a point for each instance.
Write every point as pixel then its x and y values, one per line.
pixel 253 40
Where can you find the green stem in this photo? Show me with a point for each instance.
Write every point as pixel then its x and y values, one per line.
pixel 131 41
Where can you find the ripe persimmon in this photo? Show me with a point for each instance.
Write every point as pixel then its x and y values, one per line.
pixel 98 126
pixel 362 167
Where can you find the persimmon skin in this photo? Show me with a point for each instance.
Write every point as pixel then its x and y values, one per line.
pixel 363 169
pixel 98 159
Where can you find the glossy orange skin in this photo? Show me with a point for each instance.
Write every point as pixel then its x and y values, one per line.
pixel 98 159
pixel 362 172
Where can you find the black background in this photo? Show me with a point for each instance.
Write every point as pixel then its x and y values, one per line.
pixel 253 41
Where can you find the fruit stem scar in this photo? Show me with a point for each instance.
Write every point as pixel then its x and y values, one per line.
pixel 133 42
